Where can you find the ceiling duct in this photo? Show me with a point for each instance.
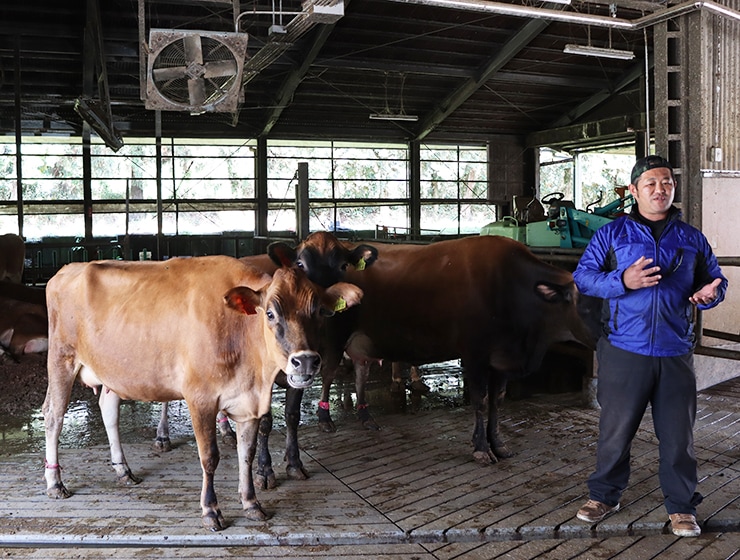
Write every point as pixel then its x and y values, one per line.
pixel 314 12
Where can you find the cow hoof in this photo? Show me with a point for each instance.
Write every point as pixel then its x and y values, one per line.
pixel 265 482
pixel 370 424
pixel 255 513
pixel 328 427
pixel 502 452
pixel 229 440
pixel 128 479
pixel 297 473
pixel 162 445
pixel 485 457
pixel 58 491
pixel 214 521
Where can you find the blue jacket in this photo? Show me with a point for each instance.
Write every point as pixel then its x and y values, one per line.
pixel 656 321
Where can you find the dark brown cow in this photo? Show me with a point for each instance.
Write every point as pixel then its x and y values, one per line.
pixel 12 257
pixel 23 327
pixel 210 330
pixel 486 300
pixel 21 292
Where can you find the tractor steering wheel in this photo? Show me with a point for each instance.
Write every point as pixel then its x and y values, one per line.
pixel 553 198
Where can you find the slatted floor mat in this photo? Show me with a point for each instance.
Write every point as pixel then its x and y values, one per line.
pixel 410 490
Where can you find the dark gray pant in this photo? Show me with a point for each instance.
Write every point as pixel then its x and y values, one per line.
pixel 627 383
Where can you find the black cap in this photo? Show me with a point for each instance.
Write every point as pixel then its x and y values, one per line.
pixel 649 162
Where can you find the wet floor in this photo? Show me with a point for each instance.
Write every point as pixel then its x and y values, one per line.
pixel 22 431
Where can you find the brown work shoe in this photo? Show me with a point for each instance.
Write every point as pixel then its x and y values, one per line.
pixel 684 525
pixel 593 511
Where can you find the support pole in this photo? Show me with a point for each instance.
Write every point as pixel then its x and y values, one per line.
pixel 301 201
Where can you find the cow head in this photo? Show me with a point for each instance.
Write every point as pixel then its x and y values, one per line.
pixel 323 257
pixel 566 313
pixel 292 309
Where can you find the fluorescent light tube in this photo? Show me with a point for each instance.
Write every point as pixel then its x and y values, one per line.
pixel 390 117
pixel 588 50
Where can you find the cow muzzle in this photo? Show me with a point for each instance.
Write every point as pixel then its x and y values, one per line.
pixel 302 368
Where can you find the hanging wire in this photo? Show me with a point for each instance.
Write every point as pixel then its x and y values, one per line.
pixel 401 109
pixel 291 184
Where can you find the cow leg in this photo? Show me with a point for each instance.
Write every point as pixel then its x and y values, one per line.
pixel 476 380
pixel 416 383
pixel 246 433
pixel 362 374
pixel 54 407
pixel 325 422
pixel 265 477
pixel 294 466
pixel 496 393
pixel 110 404
pixel 162 442
pixel 228 436
pixel 205 437
pixel 397 384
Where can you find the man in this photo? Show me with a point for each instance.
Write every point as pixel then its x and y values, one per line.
pixel 650 268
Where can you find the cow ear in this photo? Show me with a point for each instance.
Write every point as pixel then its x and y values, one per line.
pixel 552 293
pixel 341 296
pixel 282 254
pixel 243 299
pixel 363 256
pixel 6 338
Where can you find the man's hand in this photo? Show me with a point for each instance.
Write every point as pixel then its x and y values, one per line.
pixel 641 275
pixel 707 294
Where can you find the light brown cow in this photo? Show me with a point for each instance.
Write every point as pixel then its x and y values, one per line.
pixel 325 260
pixel 210 330
pixel 12 257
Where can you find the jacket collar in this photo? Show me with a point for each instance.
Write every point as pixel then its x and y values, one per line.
pixel 673 214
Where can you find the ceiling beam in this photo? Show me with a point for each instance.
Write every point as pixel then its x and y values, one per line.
pixel 453 101
pixel 447 71
pixel 94 32
pixel 569 137
pixel 294 79
pixel 634 73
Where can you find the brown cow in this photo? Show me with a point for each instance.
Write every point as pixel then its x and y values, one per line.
pixel 325 260
pixel 22 292
pixel 23 327
pixel 486 300
pixel 12 257
pixel 210 330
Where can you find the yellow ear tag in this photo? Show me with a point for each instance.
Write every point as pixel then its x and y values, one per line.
pixel 340 304
pixel 360 265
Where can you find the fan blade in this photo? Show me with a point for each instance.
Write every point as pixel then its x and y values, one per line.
pixel 197 91
pixel 171 73
pixel 193 48
pixel 220 68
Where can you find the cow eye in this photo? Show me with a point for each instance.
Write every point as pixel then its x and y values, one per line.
pixel 270 314
pixel 344 266
pixel 300 265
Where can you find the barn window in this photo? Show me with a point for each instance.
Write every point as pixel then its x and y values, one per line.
pixel 454 189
